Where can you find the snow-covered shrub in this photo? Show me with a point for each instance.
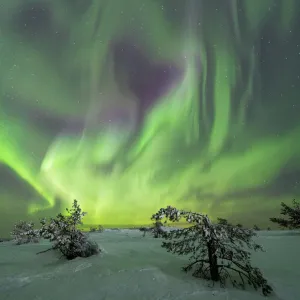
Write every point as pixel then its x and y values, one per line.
pixel 256 228
pixel 93 229
pixel 100 229
pixel 24 233
pixel 217 251
pixel 156 230
pixel 292 214
pixel 62 231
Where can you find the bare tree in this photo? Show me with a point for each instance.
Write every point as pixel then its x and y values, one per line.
pixel 217 251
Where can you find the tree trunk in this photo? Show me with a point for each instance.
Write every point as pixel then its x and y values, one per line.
pixel 213 262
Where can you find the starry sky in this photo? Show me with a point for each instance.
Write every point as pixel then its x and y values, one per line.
pixel 129 106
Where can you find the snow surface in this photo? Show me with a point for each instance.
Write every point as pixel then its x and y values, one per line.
pixel 135 268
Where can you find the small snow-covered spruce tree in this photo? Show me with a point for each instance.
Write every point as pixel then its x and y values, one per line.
pixel 62 231
pixel 293 216
pixel 24 233
pixel 217 251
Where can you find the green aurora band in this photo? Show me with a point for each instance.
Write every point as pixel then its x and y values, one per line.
pixel 218 141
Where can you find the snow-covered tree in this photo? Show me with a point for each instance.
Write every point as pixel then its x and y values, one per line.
pixel 24 233
pixel 62 231
pixel 292 216
pixel 217 251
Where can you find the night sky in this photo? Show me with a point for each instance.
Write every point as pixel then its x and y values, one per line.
pixel 129 106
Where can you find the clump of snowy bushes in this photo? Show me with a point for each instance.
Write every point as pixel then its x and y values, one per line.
pixel 98 229
pixel 218 252
pixel 24 233
pixel 63 232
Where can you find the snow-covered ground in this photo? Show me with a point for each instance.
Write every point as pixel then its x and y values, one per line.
pixel 135 268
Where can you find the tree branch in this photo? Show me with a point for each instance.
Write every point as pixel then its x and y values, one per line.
pixel 240 272
pixel 195 262
pixel 44 251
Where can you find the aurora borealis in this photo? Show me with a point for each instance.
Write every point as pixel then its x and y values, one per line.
pixel 129 106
